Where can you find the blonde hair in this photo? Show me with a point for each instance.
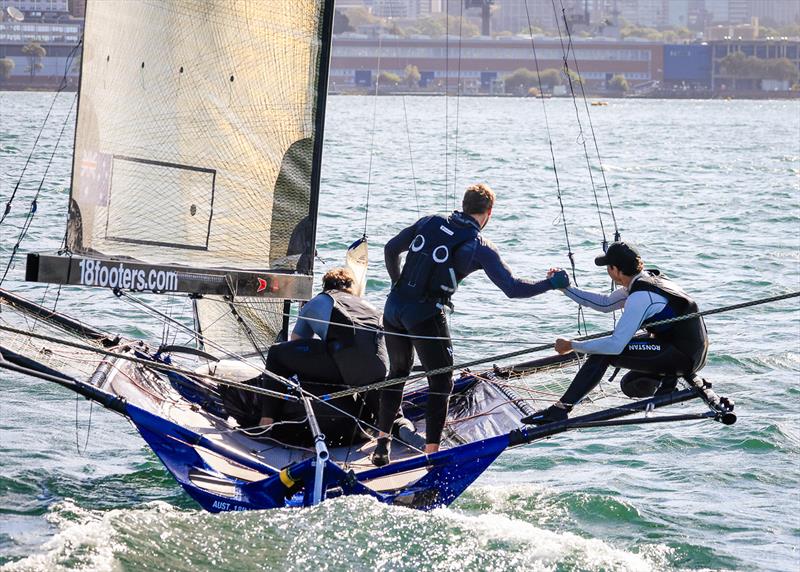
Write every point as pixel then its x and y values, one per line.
pixel 478 199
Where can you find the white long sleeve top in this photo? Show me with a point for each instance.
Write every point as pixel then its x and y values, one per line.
pixel 636 308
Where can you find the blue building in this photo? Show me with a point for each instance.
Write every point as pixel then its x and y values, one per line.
pixel 687 66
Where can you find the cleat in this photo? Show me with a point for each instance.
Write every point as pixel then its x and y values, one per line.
pixel 552 414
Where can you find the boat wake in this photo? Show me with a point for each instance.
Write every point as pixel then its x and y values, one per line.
pixel 160 536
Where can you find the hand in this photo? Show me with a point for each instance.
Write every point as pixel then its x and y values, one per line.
pixel 563 346
pixel 558 278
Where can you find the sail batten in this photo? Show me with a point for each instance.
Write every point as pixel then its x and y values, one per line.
pixel 199 133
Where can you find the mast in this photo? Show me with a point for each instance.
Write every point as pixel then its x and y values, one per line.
pixel 319 119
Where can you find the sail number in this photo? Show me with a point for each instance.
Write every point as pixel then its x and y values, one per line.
pixel 98 273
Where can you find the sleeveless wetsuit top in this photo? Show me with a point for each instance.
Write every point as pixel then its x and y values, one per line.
pixel 690 335
pixel 429 273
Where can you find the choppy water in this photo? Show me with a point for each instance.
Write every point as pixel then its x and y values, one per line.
pixel 710 190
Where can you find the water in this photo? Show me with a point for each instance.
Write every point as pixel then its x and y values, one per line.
pixel 709 190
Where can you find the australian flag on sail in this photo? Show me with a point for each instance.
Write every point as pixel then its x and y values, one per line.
pixel 95 178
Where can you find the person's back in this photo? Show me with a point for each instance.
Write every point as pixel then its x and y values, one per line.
pixel 337 343
pixel 441 252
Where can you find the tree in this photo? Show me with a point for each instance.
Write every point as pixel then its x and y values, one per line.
pixel 576 79
pixel 412 76
pixel 341 23
pixel 35 53
pixel 640 32
pixel 551 77
pixel 359 17
pixel 6 65
pixel 781 69
pixel 618 83
pixel 521 80
pixel 388 78
pixel 435 26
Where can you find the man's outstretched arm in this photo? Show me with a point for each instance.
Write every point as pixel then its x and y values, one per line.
pixel 487 257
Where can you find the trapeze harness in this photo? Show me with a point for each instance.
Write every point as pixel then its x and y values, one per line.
pixel 347 357
pixel 688 336
pixel 416 306
pixel 655 360
pixel 429 275
pixel 355 339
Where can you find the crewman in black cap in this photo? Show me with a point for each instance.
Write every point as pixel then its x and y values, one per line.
pixel 656 358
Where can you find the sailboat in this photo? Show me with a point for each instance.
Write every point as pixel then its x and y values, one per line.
pixel 196 172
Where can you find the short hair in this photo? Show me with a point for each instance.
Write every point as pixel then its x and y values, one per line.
pixel 478 199
pixel 630 267
pixel 339 279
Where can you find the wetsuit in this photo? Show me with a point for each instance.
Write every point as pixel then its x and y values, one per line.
pixel 672 349
pixel 344 356
pixel 441 252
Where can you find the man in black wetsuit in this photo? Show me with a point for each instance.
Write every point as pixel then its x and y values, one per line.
pixel 336 343
pixel 441 252
pixel 655 359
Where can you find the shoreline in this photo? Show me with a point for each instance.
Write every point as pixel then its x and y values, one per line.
pixel 782 95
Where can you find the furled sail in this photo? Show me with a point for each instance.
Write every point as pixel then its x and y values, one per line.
pixel 197 147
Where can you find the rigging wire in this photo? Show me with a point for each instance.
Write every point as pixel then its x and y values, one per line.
pixel 34 205
pixel 380 385
pixel 458 103
pixel 398 334
pixel 372 135
pixel 408 131
pixel 446 104
pixel 617 234
pixel 582 137
pixel 565 50
pixel 543 347
pixel 559 194
pixel 61 86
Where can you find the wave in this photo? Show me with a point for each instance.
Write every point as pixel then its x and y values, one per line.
pixel 351 534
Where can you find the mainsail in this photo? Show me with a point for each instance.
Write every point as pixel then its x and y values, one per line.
pixel 198 145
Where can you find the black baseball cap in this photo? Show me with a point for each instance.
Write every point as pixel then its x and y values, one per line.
pixel 619 254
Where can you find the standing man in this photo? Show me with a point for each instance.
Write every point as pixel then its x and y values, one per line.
pixel 669 350
pixel 441 252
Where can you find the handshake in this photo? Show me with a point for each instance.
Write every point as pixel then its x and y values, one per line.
pixel 558 278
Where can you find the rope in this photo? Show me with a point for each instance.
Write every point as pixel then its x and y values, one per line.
pixel 372 136
pixel 408 133
pixel 385 333
pixel 458 103
pixel 446 103
pixel 581 137
pixel 34 205
pixel 395 381
pixel 570 254
pixel 61 86
pixel 594 138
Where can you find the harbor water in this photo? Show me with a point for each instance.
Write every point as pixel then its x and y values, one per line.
pixel 708 190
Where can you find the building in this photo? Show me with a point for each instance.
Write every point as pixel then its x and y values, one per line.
pixel 721 80
pixel 776 12
pixel 37 8
pixel 355 60
pixel 687 67
pixel 513 15
pixel 58 38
